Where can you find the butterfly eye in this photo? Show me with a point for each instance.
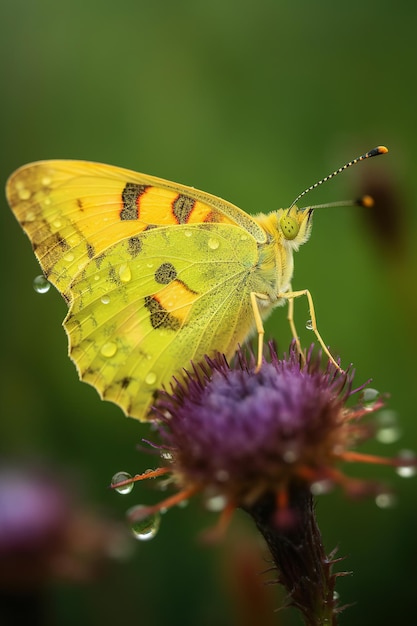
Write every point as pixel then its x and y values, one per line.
pixel 289 226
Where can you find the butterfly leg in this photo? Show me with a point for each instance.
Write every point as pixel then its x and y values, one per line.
pixel 290 296
pixel 290 318
pixel 259 325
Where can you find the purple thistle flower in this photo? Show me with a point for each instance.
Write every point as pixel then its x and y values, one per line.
pixel 262 441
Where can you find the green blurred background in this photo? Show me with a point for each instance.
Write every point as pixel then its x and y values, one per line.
pixel 252 101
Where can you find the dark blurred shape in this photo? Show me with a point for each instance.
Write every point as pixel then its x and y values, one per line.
pixel 248 575
pixel 386 220
pixel 47 536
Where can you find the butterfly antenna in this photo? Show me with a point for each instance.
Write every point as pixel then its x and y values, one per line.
pixel 375 152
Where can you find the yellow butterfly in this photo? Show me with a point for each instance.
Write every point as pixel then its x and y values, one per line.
pixel 155 274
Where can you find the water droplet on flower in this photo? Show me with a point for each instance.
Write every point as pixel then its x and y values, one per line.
pixel 309 325
pixel 321 486
pixel 150 378
pixel 387 424
pixel 125 273
pixel 120 477
pixel 336 596
pixel 166 455
pixel 145 526
pixel 69 257
pixel 407 470
pixel 188 233
pixel 105 300
pixel 46 181
pixel 290 455
pixel 385 500
pixel 109 349
pixel 213 244
pixel 41 285
pixel 222 475
pixel 370 398
pixel 57 224
pixel 216 503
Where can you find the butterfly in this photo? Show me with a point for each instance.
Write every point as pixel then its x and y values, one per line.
pixel 155 274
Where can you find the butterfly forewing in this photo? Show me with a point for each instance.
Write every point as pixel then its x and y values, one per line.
pixel 73 210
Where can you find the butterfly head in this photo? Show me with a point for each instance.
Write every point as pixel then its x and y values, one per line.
pixel 295 225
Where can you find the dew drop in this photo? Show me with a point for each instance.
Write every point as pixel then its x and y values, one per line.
pixel 30 216
pixel 105 300
pixel 125 273
pixel 120 477
pixel 145 527
pixel 188 233
pixel 41 285
pixel 96 277
pixel 290 455
pixel 213 244
pixel 370 398
pixel 216 503
pixel 150 265
pixel 69 257
pixel 309 325
pixel 109 349
pixel 24 194
pixel 150 378
pixel 222 475
pixel 57 224
pixel 385 500
pixel 167 456
pixel 46 181
pixel 320 487
pixel 336 596
pixel 407 470
pixel 388 430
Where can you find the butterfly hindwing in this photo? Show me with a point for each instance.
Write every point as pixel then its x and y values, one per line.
pixel 134 318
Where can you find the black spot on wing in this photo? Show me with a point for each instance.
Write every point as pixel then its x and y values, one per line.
pixel 165 274
pixel 134 246
pixel 159 316
pixel 90 251
pixel 113 276
pixel 130 198
pixel 182 208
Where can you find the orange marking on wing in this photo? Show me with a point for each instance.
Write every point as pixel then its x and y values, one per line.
pixel 157 206
pixel 177 298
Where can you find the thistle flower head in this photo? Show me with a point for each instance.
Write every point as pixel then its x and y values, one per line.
pixel 245 433
pixel 263 441
pixel 238 433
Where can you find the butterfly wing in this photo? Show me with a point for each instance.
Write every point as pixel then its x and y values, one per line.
pixel 74 210
pixel 154 273
pixel 136 319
